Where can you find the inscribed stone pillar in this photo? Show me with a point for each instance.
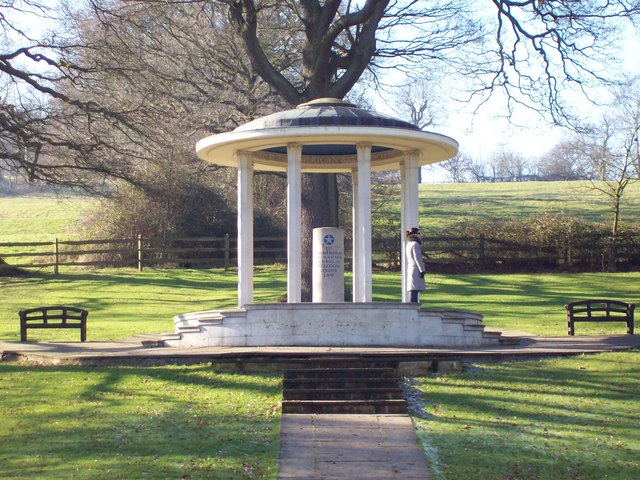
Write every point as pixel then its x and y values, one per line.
pixel 328 264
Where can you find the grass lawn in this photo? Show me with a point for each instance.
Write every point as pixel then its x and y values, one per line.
pixel 574 418
pixel 125 302
pixel 134 423
pixel 43 217
pixel 527 302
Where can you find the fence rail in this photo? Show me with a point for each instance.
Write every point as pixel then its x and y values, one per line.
pixel 136 252
pixel 441 253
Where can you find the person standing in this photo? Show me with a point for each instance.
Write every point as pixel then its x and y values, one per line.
pixel 415 270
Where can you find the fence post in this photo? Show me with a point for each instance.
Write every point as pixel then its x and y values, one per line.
pixel 139 252
pixel 226 252
pixel 56 256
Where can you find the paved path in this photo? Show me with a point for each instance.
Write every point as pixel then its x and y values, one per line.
pixel 350 447
pixel 130 351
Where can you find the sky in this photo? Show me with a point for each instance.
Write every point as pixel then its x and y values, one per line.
pixel 486 132
pixel 532 136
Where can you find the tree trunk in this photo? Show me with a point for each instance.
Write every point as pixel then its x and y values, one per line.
pixel 612 260
pixel 319 209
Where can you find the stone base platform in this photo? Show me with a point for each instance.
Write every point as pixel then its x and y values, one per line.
pixel 374 324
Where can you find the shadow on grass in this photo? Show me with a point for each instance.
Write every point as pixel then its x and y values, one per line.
pixel 172 278
pixel 574 419
pixel 165 422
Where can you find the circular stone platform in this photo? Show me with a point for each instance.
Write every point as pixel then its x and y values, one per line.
pixel 380 324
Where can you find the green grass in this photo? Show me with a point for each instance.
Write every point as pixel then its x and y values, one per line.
pixel 42 218
pixel 445 204
pixel 526 302
pixel 125 302
pixel 133 423
pixel 574 418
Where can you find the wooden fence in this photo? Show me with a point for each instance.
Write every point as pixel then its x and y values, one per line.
pixel 129 252
pixel 441 253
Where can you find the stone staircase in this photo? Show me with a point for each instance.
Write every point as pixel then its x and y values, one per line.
pixel 343 386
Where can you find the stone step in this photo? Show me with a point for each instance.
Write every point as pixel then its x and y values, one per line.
pixel 502 340
pixel 189 329
pixel 168 337
pixel 339 383
pixel 362 389
pixel 345 406
pixel 350 362
pixel 394 393
pixel 337 373
pixel 473 328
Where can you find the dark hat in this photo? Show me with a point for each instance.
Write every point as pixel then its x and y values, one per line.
pixel 414 230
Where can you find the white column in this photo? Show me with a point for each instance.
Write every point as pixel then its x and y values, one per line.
pixel 294 223
pixel 410 178
pixel 363 227
pixel 245 229
pixel 356 274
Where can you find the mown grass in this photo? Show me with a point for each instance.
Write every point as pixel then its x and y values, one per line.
pixel 574 418
pixel 125 302
pixel 133 423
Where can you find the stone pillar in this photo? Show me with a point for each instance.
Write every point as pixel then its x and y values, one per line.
pixel 245 229
pixel 294 223
pixel 409 208
pixel 355 265
pixel 362 232
pixel 328 265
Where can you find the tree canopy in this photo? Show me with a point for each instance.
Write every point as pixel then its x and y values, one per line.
pixel 59 99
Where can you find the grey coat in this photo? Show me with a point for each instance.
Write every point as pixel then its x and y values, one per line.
pixel 415 265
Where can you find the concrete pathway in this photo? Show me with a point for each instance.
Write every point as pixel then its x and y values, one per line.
pixel 350 447
pixel 130 351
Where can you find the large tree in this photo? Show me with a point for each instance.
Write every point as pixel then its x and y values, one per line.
pixel 538 47
pixel 531 51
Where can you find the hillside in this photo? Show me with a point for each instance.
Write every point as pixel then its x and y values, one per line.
pixel 35 218
pixel 444 204
pixel 44 217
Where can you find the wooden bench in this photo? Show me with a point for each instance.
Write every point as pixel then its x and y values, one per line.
pixel 53 317
pixel 599 311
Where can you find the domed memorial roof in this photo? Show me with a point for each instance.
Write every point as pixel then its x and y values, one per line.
pixel 329 112
pixel 328 130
